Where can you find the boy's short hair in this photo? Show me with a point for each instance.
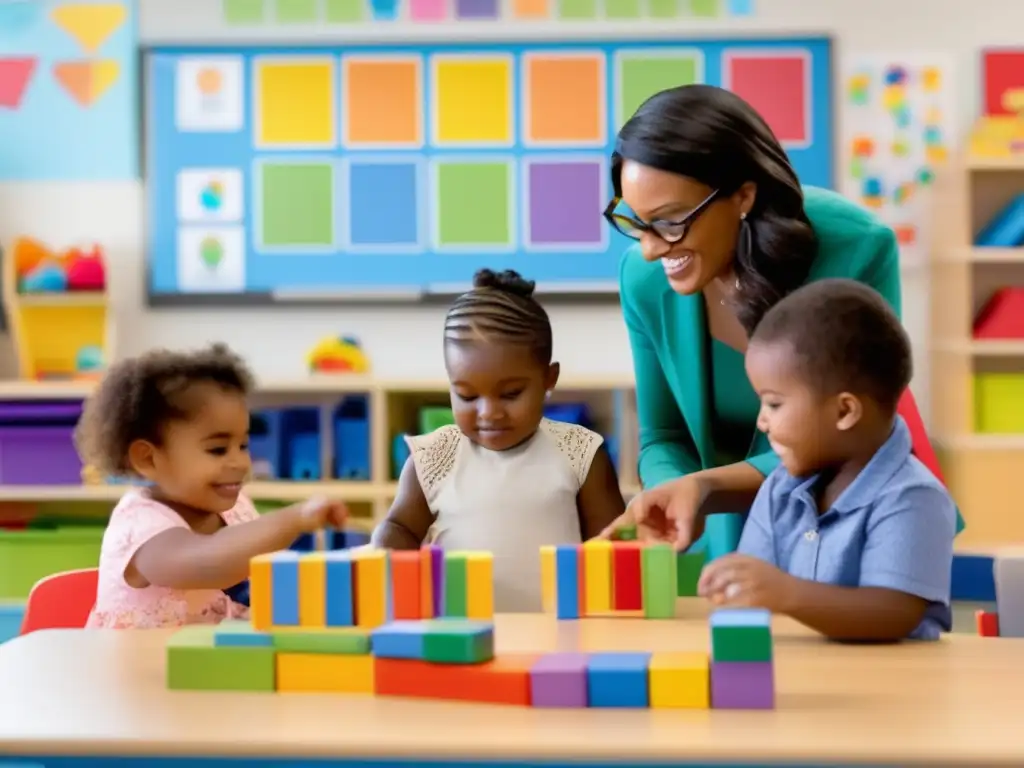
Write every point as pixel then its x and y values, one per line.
pixel 846 338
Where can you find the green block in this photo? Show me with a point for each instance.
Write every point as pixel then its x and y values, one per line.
pixel 658 571
pixel 741 644
pixel 663 9
pixel 297 203
pixel 345 11
pixel 705 8
pixel 626 534
pixel 295 11
pixel 622 9
pixel 688 568
pixel 242 11
pixel 348 641
pixel 577 9
pixel 449 641
pixel 195 664
pixel 456 568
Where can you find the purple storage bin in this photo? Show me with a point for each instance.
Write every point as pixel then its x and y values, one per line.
pixel 37 444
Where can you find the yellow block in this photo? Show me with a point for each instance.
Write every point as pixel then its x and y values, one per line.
pixel 260 580
pixel 473 99
pixel 597 570
pixel 313 590
pixel 371 587
pixel 547 579
pixel 324 673
pixel 480 585
pixel 680 680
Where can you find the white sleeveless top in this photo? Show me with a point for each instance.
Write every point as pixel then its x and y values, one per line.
pixel 509 502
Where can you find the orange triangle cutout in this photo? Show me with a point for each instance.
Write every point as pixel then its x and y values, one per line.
pixel 86 81
pixel 90 24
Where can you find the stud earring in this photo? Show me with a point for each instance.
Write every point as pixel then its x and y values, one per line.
pixel 547 395
pixel 743 216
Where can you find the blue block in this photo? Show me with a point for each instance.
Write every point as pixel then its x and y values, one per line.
pixel 723 534
pixel 356 538
pixel 11 617
pixel 973 579
pixel 740 617
pixel 567 581
pixel 284 593
pixel 338 589
pixel 305 543
pixel 242 637
pixel 618 680
pixel 398 640
pixel 1006 229
pixel 399 455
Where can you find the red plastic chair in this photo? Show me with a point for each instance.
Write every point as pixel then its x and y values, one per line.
pixel 61 601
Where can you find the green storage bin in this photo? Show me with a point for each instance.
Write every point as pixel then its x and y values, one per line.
pixel 26 556
pixel 434 417
pixel 999 403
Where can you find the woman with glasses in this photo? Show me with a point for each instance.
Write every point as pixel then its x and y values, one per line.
pixel 724 231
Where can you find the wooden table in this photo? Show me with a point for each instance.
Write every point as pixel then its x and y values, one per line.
pixel 77 698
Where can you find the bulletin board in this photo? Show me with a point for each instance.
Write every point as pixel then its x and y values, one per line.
pixel 384 172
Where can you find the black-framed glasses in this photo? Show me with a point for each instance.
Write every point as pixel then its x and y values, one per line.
pixel 669 231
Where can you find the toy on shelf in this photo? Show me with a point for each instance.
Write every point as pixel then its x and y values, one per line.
pixel 1002 316
pixel 420 624
pixel 1006 228
pixel 58 310
pixel 987 623
pixel 338 354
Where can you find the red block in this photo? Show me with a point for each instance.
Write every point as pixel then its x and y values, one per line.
pixel 627 589
pixel 505 680
pixel 988 623
pixel 1002 316
pixel 406 592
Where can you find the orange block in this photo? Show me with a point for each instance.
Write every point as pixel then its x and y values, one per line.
pixel 505 680
pixel 426 584
pixel 406 593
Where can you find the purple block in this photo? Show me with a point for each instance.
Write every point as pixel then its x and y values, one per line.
pixel 437 579
pixel 476 9
pixel 559 680
pixel 563 196
pixel 742 685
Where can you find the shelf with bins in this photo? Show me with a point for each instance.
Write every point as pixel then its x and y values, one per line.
pixel 978 376
pixel 390 408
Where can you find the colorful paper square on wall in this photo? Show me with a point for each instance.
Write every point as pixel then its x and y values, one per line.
pixel 383 101
pixel 209 94
pixel 561 197
pixel 564 99
pixel 472 100
pixel 295 204
pixel 777 85
pixel 295 102
pixel 474 203
pixel 642 72
pixel 211 259
pixel 382 201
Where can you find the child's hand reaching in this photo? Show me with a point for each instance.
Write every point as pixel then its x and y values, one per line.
pixel 740 581
pixel 318 513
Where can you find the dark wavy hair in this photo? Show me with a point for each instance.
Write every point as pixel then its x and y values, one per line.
pixel 711 135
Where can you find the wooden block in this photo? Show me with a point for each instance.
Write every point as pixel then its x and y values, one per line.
pixel 680 680
pixel 559 680
pixel 406 591
pixel 568 583
pixel 437 576
pixel 627 589
pixel 339 581
pixel 284 588
pixel 351 641
pixel 504 680
pixel 741 635
pixel 688 569
pixel 237 633
pixel 597 577
pixel 313 590
pixel 455 581
pixel 658 569
pixel 400 639
pixel 260 592
pixel 480 585
pixel 426 584
pixel 194 663
pixel 1008 572
pixel 449 641
pixel 371 568
pixel 320 673
pixel 742 685
pixel 987 623
pixel 618 680
pixel 548 590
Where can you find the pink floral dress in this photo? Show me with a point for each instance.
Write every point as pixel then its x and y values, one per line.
pixel 136 519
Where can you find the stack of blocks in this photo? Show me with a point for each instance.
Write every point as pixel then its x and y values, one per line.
pixel 420 624
pixel 622 578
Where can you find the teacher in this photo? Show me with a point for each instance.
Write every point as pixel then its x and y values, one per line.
pixel 725 231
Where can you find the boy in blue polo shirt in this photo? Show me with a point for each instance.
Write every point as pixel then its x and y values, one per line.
pixel 851 535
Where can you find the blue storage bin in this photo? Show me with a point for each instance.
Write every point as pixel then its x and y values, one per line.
pixel 571 413
pixel 265 444
pixel 300 439
pixel 399 455
pixel 346 539
pixel 352 439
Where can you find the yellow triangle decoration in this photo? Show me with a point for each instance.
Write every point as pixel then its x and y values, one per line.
pixel 90 24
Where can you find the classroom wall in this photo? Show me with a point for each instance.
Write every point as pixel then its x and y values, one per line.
pixel 405 341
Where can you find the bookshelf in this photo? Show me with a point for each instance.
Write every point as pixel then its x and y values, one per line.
pixel 981 463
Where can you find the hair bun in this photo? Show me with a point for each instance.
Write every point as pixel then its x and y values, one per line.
pixel 508 281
